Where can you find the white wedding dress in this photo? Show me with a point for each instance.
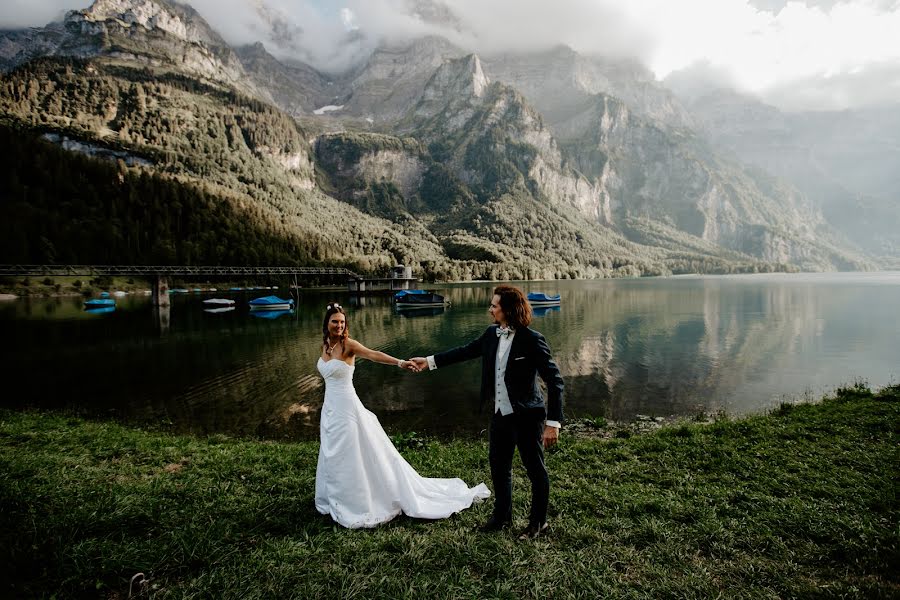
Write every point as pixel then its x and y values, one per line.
pixel 361 479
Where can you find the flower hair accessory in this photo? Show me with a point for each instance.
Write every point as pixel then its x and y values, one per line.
pixel 335 305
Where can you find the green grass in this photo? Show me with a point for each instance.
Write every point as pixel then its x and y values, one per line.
pixel 798 503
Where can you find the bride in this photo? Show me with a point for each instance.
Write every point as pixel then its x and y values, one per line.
pixel 361 479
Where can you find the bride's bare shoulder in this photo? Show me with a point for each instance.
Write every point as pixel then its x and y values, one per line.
pixel 352 345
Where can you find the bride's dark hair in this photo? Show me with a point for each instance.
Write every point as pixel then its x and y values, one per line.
pixel 331 309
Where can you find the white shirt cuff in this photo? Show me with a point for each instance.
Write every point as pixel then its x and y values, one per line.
pixel 553 423
pixel 431 365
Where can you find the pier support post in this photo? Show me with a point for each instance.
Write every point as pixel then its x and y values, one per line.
pixel 160 291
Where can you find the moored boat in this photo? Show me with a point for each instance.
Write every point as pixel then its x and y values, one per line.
pixel 218 302
pixel 271 303
pixel 541 299
pixel 99 303
pixel 418 299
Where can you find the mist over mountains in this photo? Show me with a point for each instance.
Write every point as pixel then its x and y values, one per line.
pixel 528 164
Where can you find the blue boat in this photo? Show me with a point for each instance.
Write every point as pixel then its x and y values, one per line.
pixel 271 303
pixel 418 299
pixel 100 310
pixel 100 303
pixel 540 299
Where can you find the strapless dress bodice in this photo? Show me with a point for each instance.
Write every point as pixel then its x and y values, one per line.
pixel 335 371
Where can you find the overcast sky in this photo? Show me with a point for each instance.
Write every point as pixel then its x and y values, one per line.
pixel 822 54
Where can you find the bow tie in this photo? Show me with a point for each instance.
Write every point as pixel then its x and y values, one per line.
pixel 504 332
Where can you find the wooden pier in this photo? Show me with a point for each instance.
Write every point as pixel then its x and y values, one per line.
pixel 400 277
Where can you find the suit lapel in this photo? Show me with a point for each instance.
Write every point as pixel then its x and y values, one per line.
pixel 518 343
pixel 515 349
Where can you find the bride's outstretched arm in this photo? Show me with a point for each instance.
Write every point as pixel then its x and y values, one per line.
pixel 379 357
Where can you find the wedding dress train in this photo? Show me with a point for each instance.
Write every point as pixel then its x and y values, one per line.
pixel 361 479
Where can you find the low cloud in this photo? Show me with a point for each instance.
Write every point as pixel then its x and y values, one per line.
pixel 794 54
pixel 878 85
pixel 18 14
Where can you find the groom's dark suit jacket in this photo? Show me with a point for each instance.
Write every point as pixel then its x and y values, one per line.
pixel 529 356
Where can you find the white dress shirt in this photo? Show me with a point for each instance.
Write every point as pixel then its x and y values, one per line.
pixel 501 395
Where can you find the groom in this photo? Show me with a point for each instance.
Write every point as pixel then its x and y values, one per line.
pixel 512 355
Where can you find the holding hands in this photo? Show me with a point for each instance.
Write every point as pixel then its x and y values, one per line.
pixel 420 363
pixel 407 365
pixel 414 364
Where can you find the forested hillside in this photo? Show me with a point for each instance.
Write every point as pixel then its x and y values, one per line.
pixel 64 207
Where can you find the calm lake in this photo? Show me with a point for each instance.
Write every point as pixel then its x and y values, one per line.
pixel 658 347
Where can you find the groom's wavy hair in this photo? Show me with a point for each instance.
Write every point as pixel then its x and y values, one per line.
pixel 514 305
pixel 331 309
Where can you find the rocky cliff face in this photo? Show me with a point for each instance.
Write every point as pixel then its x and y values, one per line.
pixel 845 161
pixel 20 46
pixel 357 162
pixel 297 89
pixel 562 84
pixel 177 20
pixel 156 33
pixel 645 166
pixel 493 140
pixel 392 80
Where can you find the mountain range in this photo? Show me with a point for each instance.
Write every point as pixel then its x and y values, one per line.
pixel 540 165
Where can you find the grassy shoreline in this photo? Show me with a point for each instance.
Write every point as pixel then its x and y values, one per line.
pixel 798 503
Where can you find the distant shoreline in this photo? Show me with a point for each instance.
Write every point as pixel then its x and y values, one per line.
pixel 139 286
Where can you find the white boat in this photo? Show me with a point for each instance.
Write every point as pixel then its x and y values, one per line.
pixel 221 309
pixel 218 302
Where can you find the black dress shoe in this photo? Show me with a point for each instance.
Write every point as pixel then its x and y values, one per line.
pixel 534 530
pixel 495 524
